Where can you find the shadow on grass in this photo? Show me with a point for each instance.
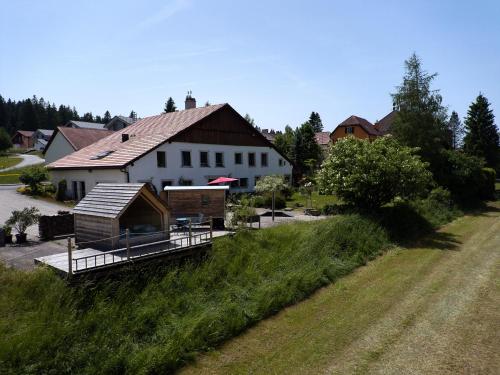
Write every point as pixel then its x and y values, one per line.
pixel 437 240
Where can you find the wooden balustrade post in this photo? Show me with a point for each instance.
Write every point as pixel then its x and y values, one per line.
pixel 211 227
pixel 70 258
pixel 127 240
pixel 190 234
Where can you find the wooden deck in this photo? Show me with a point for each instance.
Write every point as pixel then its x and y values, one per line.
pixel 92 260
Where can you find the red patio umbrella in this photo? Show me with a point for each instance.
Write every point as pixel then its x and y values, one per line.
pixel 221 180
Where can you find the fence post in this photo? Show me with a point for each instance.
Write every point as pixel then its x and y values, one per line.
pixel 211 227
pixel 70 258
pixel 127 240
pixel 190 233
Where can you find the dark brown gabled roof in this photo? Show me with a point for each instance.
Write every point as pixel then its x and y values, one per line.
pixel 384 125
pixel 79 138
pixel 26 133
pixel 365 124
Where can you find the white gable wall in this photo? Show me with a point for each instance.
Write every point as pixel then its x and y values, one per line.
pixel 90 177
pixel 146 169
pixel 58 148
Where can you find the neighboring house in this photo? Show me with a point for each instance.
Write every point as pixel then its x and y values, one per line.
pixel 384 125
pixel 65 141
pixel 270 134
pixel 356 126
pixel 84 125
pixel 323 140
pixel 23 139
pixel 41 137
pixel 119 123
pixel 190 147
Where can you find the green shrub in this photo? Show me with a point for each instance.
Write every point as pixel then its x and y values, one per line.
pixel 33 177
pixel 464 176
pixel 258 201
pixel 371 174
pixel 279 201
pixel 49 189
pixel 487 183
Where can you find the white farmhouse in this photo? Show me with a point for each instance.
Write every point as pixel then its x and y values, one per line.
pixel 190 147
pixel 66 140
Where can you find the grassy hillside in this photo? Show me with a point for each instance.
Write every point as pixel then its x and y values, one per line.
pixel 156 321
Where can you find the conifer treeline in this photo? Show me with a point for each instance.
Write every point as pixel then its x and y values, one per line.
pixel 36 113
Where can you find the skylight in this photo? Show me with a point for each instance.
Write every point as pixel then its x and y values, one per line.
pixel 102 155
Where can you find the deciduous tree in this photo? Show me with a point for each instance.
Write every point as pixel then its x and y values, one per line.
pixel 371 174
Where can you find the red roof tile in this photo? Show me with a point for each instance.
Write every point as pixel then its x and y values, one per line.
pixel 82 137
pixel 26 133
pixel 365 124
pixel 322 138
pixel 384 125
pixel 144 135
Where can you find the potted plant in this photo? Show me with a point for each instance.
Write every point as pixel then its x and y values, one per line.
pixel 7 229
pixel 21 220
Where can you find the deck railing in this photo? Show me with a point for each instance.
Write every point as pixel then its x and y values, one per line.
pixel 129 253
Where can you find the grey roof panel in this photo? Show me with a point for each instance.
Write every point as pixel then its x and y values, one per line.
pixel 108 200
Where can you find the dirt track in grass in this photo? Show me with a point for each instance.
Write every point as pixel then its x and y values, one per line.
pixel 431 309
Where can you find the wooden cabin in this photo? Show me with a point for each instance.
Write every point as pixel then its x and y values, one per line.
pixel 191 201
pixel 108 210
pixel 23 139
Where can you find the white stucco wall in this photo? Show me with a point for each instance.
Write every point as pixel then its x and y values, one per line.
pixel 58 148
pixel 91 178
pixel 145 169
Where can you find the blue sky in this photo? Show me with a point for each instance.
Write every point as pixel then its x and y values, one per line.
pixel 275 60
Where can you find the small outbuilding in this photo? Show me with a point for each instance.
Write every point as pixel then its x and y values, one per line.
pixel 108 210
pixel 196 201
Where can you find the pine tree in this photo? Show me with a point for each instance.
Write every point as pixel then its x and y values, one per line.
pixel 5 142
pixel 170 105
pixel 315 122
pixel 421 120
pixel 88 117
pixel 481 138
pixel 133 115
pixel 107 117
pixel 306 151
pixel 455 130
pixel 251 121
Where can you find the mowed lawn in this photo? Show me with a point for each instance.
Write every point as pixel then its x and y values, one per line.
pixel 12 176
pixel 431 309
pixel 9 161
pixel 318 201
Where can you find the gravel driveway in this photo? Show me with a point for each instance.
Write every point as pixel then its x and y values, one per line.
pixel 11 200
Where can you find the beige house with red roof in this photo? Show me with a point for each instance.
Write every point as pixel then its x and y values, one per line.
pixel 65 141
pixel 23 139
pixel 357 127
pixel 189 147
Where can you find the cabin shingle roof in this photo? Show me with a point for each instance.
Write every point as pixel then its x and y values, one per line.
pixel 108 200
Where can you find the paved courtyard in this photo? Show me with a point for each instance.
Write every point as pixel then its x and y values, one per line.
pixel 11 200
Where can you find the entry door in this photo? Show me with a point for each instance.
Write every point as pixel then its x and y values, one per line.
pixel 78 190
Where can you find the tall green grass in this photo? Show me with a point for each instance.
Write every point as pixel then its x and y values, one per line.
pixel 153 321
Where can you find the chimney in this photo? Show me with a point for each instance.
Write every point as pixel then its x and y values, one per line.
pixel 124 137
pixel 190 102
